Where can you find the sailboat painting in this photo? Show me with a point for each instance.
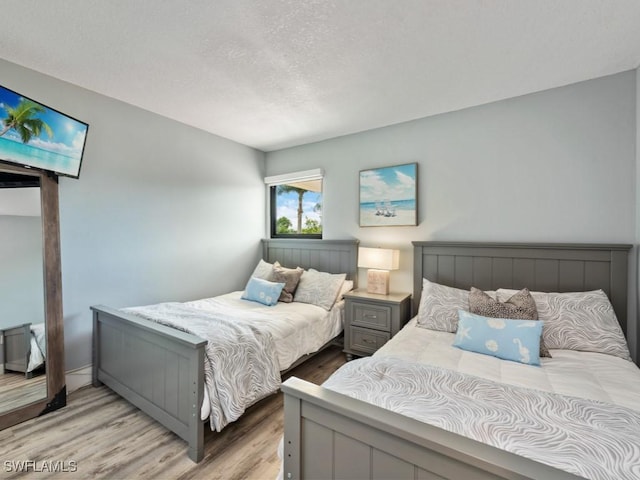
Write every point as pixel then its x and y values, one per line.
pixel 388 196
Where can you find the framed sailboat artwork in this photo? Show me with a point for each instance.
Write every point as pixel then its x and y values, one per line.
pixel 388 196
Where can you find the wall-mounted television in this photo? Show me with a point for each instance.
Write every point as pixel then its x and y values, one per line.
pixel 36 136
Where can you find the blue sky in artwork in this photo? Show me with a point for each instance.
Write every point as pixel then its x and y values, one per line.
pixel 68 134
pixel 389 183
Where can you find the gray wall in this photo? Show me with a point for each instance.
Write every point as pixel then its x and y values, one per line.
pixel 166 212
pixel 554 166
pixel 161 211
pixel 21 274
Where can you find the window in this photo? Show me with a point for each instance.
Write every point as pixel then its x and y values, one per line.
pixel 296 205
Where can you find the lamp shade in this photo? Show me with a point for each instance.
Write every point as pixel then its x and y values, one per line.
pixel 378 258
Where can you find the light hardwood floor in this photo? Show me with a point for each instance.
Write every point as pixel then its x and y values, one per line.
pixel 16 390
pixel 107 437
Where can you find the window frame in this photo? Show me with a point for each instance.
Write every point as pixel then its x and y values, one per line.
pixel 273 219
pixel 272 184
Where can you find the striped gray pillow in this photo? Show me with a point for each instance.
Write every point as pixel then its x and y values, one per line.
pixel 583 321
pixel 439 306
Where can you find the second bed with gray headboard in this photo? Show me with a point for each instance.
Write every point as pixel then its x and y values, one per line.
pixel 160 369
pixel 332 435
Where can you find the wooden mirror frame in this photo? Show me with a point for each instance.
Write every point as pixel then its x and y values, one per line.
pixel 56 396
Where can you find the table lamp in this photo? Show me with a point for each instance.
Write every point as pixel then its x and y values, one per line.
pixel 379 261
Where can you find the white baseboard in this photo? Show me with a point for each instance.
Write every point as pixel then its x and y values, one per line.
pixel 78 378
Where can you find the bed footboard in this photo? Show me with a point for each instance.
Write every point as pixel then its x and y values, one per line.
pixel 330 435
pixel 158 369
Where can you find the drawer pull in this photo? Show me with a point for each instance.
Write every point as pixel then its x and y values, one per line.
pixel 369 315
pixel 366 340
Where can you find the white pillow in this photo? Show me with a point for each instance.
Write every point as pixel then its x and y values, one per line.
pixel 263 270
pixel 583 321
pixel 346 287
pixel 319 288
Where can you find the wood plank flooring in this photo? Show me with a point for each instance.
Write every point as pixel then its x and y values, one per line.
pixel 108 438
pixel 16 390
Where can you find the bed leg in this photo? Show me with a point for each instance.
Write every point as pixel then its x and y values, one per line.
pixel 196 426
pixel 196 452
pixel 291 460
pixel 196 436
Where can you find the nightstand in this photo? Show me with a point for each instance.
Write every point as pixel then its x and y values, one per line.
pixel 372 319
pixel 15 348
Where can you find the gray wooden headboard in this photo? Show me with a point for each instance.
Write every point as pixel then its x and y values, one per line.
pixel 333 256
pixel 547 267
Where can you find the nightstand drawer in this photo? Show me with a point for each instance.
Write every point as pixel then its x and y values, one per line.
pixel 371 316
pixel 367 341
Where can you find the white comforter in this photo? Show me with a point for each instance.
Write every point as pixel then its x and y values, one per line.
pixel 297 328
pixel 582 374
pixel 240 366
pixel 248 345
pixel 38 344
pixel 579 411
pixel 591 439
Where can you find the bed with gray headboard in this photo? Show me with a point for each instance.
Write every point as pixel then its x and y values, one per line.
pixel 331 435
pixel 160 369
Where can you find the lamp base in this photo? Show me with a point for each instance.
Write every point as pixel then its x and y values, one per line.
pixel 378 281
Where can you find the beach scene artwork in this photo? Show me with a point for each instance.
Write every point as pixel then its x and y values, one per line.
pixel 388 196
pixel 34 135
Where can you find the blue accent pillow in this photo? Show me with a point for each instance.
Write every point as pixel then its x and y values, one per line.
pixel 262 291
pixel 516 340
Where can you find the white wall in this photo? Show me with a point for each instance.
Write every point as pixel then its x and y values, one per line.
pixel 554 166
pixel 161 211
pixel 21 271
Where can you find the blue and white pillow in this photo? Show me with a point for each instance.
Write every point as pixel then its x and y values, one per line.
pixel 516 340
pixel 262 291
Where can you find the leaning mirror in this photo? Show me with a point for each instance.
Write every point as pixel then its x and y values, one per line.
pixel 31 341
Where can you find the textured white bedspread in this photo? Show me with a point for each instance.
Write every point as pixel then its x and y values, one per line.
pixel 281 335
pixel 591 439
pixel 240 365
pixel 38 344
pixel 593 376
pixel 297 328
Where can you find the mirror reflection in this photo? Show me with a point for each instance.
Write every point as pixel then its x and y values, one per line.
pixel 22 310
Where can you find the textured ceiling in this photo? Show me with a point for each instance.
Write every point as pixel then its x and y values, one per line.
pixel 278 73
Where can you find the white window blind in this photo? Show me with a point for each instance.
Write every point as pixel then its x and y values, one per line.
pixel 295 177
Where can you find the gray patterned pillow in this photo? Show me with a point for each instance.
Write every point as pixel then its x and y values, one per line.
pixel 520 306
pixel 319 288
pixel 439 306
pixel 583 321
pixel 290 277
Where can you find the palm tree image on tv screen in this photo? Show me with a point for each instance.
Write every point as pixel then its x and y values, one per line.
pixel 34 135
